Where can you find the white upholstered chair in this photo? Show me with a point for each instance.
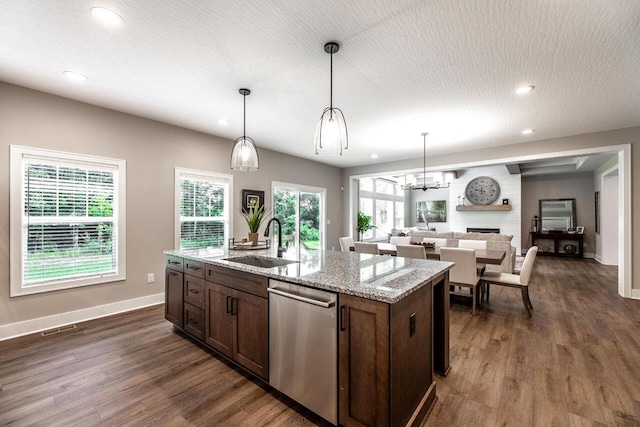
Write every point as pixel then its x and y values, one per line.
pixel 472 244
pixel 367 248
pixel 463 273
pixel 346 243
pixel 411 251
pixel 514 280
pixel 400 240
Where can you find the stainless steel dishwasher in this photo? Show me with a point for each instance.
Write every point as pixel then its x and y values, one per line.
pixel 303 349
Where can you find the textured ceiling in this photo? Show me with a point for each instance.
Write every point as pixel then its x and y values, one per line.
pixel 446 67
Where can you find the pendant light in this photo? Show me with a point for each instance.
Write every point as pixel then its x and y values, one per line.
pixel 244 156
pixel 331 133
pixel 439 177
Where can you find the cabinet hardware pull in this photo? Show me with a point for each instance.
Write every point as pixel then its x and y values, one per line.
pixel 192 268
pixel 194 291
pixel 412 324
pixel 174 262
pixel 343 309
pixel 193 321
pixel 228 309
pixel 171 273
pixel 234 311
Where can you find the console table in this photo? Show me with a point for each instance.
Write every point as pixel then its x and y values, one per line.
pixel 559 241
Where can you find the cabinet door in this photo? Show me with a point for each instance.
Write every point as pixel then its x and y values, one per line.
pixel 219 326
pixel 363 393
pixel 173 297
pixel 251 332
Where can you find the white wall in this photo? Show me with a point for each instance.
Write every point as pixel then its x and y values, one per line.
pixel 606 241
pixel 507 221
pixel 609 222
pixel 152 151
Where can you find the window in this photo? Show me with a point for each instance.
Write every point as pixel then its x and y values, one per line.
pixel 67 215
pixel 203 209
pixel 383 200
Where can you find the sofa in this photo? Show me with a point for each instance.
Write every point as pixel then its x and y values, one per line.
pixel 494 241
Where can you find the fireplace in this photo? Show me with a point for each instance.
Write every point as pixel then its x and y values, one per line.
pixel 483 230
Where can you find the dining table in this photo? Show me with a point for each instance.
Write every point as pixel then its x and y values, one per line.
pixel 483 256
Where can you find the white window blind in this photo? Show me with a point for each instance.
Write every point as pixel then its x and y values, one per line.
pixel 69 220
pixel 204 208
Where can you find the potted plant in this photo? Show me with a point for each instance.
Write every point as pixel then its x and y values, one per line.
pixel 364 224
pixel 254 217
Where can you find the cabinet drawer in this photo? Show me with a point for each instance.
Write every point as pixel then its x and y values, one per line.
pixel 246 282
pixel 194 321
pixel 174 262
pixel 194 290
pixel 194 268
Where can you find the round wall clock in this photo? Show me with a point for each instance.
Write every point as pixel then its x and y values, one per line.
pixel 482 190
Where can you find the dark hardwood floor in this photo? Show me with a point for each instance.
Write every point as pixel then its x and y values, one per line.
pixel 575 363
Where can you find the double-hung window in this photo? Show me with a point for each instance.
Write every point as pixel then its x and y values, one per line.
pixel 67 220
pixel 383 200
pixel 203 208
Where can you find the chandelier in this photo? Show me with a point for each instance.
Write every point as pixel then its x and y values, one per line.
pixel 440 179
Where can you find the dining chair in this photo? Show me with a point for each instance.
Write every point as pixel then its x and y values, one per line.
pixel 463 273
pixel 411 251
pixel 346 243
pixel 514 280
pixel 400 240
pixel 367 248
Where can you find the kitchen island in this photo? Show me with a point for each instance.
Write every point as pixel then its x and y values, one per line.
pixel 391 322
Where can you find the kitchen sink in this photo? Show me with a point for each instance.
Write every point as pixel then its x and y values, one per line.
pixel 258 261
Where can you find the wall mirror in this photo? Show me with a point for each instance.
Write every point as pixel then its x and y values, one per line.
pixel 558 214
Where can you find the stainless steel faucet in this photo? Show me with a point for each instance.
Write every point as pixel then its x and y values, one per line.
pixel 281 249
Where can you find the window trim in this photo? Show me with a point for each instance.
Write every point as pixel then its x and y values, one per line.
pixel 179 172
pixel 16 210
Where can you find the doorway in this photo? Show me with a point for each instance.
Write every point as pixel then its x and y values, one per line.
pixel 301 210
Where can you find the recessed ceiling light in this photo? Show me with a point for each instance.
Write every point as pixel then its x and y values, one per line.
pixel 528 131
pixel 374 156
pixel 74 76
pixel 222 122
pixel 106 16
pixel 524 89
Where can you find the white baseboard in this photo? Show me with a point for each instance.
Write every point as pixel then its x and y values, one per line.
pixel 598 258
pixel 635 293
pixel 18 329
pixel 589 255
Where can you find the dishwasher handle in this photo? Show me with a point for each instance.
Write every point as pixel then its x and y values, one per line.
pixel 325 304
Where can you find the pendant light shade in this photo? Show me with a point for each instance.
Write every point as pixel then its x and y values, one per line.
pixel 331 134
pixel 244 156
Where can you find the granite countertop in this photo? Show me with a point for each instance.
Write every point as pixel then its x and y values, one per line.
pixel 377 277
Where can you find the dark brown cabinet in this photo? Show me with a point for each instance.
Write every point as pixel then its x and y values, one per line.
pixel 237 323
pixel 173 305
pixel 385 360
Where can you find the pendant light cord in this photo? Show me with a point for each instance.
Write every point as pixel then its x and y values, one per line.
pixel 244 116
pixel 424 160
pixel 331 82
